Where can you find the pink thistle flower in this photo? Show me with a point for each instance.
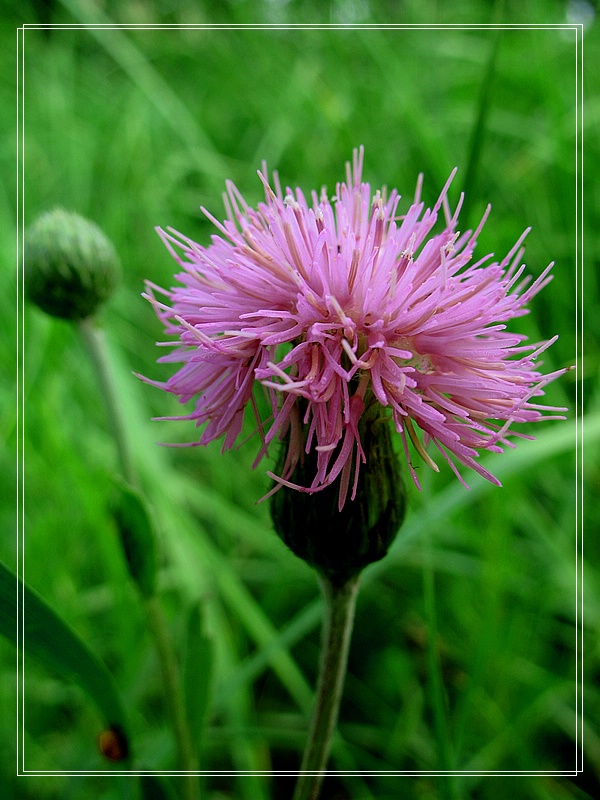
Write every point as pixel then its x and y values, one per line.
pixel 335 306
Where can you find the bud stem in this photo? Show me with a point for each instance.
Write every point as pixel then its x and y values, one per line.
pixel 95 342
pixel 338 619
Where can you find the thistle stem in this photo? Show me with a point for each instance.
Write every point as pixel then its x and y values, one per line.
pixel 338 618
pixel 95 343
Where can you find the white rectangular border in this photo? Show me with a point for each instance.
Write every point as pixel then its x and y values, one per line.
pixel 579 288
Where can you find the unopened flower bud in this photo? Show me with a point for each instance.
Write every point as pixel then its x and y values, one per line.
pixel 341 543
pixel 71 267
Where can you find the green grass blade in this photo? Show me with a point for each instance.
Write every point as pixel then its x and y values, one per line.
pixel 198 672
pixel 172 495
pixel 240 600
pixel 135 64
pixel 549 444
pixel 527 456
pixel 478 132
pixel 138 537
pixel 49 639
pixel 438 700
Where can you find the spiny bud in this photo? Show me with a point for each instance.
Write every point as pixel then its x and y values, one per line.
pixel 71 267
pixel 340 544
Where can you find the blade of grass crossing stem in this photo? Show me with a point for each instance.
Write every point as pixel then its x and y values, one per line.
pixel 551 443
pixel 49 639
pixel 453 498
pixel 249 670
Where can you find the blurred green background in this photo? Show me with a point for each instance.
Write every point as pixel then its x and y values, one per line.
pixel 137 128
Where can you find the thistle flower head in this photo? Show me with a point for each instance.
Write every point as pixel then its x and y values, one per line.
pixel 332 306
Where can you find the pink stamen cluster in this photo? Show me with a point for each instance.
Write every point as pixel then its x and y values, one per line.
pixel 331 306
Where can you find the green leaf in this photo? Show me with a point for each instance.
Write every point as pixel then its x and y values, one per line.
pixel 49 639
pixel 198 672
pixel 479 126
pixel 138 537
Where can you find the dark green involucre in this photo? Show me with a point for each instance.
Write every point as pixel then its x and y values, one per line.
pixel 71 267
pixel 340 544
